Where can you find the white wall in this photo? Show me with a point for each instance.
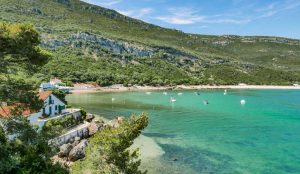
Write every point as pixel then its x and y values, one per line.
pixel 34 118
pixel 47 105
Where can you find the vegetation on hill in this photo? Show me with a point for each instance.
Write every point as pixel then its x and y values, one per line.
pixel 27 150
pixel 94 44
pixel 23 147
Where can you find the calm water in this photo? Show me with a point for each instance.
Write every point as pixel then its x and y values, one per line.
pixel 262 136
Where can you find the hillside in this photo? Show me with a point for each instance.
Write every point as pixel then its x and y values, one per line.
pixel 93 44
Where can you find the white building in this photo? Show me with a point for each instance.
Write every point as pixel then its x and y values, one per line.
pixel 53 106
pixel 46 86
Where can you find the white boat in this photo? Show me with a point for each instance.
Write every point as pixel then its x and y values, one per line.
pixel 180 93
pixel 172 100
pixel 243 102
pixel 205 102
pixel 148 93
pixel 165 93
pixel 225 92
pixel 113 99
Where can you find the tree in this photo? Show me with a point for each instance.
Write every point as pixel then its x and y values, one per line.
pixel 27 150
pixel 108 151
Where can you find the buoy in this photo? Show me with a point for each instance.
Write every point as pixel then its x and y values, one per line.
pixel 172 100
pixel 243 102
pixel 205 102
pixel 225 92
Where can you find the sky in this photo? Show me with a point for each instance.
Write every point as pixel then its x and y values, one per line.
pixel 217 17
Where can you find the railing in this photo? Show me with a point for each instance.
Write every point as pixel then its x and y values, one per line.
pixel 71 112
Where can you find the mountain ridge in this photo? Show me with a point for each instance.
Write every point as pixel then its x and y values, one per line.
pixel 106 34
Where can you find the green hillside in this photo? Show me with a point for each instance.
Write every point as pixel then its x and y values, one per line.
pixel 93 44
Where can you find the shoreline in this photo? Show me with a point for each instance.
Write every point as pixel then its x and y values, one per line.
pixel 121 88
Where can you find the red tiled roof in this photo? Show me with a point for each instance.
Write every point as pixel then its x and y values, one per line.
pixel 5 111
pixel 44 95
pixel 55 80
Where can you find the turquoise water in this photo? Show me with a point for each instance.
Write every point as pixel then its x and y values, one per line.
pixel 262 136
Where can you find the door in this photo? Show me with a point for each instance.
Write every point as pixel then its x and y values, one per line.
pixel 50 110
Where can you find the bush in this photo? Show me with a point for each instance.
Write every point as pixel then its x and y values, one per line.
pixel 108 149
pixel 60 125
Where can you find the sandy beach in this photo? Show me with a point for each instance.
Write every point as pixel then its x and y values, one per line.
pixel 121 88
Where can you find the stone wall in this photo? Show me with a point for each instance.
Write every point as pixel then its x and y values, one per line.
pixel 80 131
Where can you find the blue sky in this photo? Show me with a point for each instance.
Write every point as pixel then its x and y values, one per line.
pixel 238 17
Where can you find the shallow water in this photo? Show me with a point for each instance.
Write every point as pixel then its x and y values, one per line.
pixel 262 136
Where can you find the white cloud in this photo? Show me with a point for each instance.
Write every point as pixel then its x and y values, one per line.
pixel 137 13
pixel 185 16
pixel 276 7
pixel 203 26
pixel 181 16
pixel 227 20
pixel 105 3
pixel 267 8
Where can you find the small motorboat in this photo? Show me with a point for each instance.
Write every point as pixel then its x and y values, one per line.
pixel 165 93
pixel 180 93
pixel 205 102
pixel 172 100
pixel 113 99
pixel 148 93
pixel 197 93
pixel 225 92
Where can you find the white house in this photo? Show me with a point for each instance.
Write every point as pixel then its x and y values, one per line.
pixel 52 104
pixel 52 107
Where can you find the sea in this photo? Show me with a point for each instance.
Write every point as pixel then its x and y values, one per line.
pixel 210 131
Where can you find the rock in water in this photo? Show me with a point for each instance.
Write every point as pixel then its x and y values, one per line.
pixel 78 151
pixel 64 150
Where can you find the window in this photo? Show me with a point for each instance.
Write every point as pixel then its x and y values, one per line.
pixel 56 107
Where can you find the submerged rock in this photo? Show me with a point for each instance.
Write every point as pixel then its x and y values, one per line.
pixel 174 159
